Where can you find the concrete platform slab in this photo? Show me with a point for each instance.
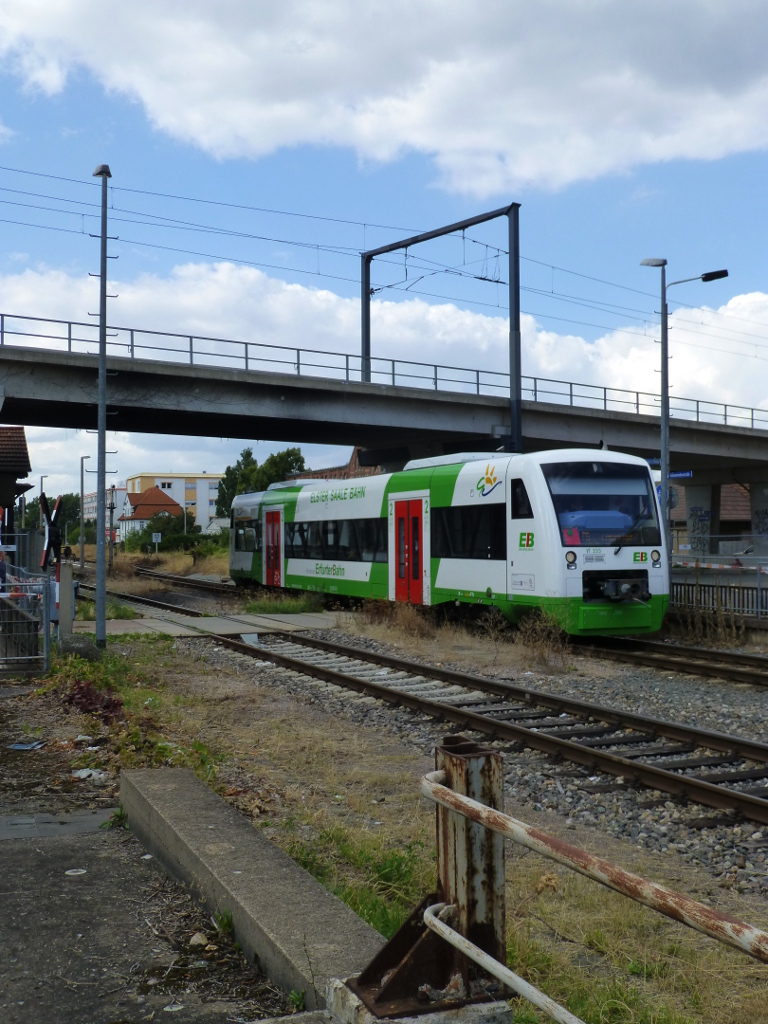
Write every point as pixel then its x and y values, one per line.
pixel 303 936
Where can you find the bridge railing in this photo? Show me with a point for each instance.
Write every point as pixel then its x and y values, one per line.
pixel 202 350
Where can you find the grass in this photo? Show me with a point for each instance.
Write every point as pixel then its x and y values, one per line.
pixel 608 959
pixel 86 611
pixel 380 884
pixel 283 605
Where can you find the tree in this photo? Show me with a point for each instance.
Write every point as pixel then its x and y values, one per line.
pixel 171 528
pixel 229 483
pixel 278 467
pixel 247 475
pixel 70 513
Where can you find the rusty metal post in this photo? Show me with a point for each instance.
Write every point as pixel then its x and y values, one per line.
pixel 470 857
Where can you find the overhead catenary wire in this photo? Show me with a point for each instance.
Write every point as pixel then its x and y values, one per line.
pixel 432 267
pixel 539 314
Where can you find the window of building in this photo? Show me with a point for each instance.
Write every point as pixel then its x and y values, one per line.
pixel 165 485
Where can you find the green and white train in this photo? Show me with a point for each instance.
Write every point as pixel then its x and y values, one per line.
pixel 572 532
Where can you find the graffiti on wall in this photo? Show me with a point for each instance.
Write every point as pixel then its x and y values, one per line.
pixel 699 526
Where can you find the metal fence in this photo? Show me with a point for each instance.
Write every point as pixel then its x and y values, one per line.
pixel 74 337
pixel 748 600
pixel 25 616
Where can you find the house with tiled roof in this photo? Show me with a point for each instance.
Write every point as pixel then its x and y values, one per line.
pixel 138 509
pixel 14 465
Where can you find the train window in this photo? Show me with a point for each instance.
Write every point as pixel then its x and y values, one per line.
pixel 248 535
pixel 353 540
pixel 415 558
pixel 316 540
pixel 469 531
pixel 601 503
pixel 520 506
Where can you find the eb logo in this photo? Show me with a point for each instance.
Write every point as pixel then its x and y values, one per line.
pixel 640 556
pixel 526 540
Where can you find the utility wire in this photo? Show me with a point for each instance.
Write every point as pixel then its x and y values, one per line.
pixel 418 262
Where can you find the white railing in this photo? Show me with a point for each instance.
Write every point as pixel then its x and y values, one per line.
pixel 201 350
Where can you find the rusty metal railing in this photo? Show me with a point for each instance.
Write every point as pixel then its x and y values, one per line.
pixel 679 907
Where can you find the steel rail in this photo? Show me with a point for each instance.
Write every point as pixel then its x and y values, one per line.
pixel 670 730
pixel 695 790
pixel 151 602
pixel 731 666
pixel 186 581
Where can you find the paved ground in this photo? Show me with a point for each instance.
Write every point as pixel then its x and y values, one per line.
pixel 78 934
pixel 91 931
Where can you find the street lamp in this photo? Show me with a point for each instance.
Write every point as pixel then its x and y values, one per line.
pixel 82 514
pixel 712 275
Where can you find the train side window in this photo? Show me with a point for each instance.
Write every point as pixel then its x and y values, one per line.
pixel 248 536
pixel 463 531
pixel 520 506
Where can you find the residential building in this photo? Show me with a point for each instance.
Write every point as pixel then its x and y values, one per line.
pixel 197 494
pixel 89 501
pixel 138 509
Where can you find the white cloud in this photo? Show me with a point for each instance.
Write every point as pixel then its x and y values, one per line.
pixel 716 355
pixel 502 95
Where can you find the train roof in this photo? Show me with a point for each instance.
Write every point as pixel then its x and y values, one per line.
pixel 548 455
pixel 455 459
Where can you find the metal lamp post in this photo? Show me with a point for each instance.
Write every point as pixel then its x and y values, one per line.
pixel 712 275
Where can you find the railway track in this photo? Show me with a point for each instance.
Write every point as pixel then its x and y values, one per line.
pixel 187 581
pixel 88 591
pixel 709 768
pixel 732 666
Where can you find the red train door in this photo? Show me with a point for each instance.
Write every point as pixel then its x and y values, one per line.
pixel 273 576
pixel 408 545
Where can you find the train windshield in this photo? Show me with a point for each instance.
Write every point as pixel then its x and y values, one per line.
pixel 602 503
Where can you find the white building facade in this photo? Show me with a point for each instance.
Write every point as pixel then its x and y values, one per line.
pixel 196 494
pixel 89 501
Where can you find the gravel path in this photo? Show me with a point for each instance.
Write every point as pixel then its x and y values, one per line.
pixel 732 851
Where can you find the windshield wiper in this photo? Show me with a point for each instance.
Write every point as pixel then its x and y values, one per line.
pixel 624 538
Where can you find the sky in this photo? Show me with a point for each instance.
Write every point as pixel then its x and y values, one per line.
pixel 257 149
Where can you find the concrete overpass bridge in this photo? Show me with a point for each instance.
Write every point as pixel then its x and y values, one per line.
pixel 184 384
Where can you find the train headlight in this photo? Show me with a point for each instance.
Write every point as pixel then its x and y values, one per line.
pixel 570 559
pixel 656 558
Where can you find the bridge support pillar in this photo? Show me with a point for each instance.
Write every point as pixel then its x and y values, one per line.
pixel 703 519
pixel 758 505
